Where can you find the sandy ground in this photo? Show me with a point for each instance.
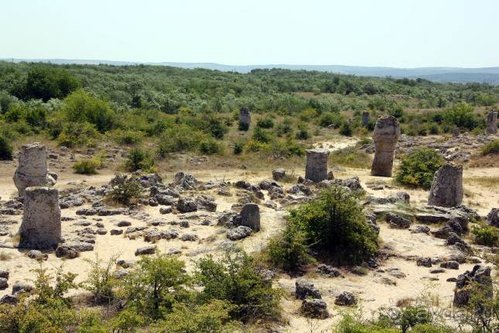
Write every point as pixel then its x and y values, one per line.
pixel 378 288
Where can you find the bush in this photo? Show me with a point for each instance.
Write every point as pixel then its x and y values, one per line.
pixel 125 191
pixel 77 135
pixel 346 129
pixel 418 168
pixel 6 150
pixel 88 166
pixel 139 159
pixel 209 146
pixel 330 119
pixel 100 281
pixel 206 318
pixel 265 123
pixel 302 134
pixel 486 235
pixel 288 251
pixel 80 107
pixel 46 82
pixel 155 286
pixel 261 135
pixel 348 324
pixel 237 279
pixel 335 224
pixel 491 148
pixel 461 115
pixel 179 139
pixel 127 137
pixel 238 148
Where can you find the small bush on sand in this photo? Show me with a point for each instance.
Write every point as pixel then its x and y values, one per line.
pixel 335 225
pixel 87 166
pixel 126 191
pixel 491 148
pixel 139 159
pixel 237 279
pixel 418 168
pixel 486 235
pixel 6 150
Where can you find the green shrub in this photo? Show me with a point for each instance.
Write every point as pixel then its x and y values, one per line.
pixel 100 281
pixel 334 224
pixel 302 134
pixel 209 146
pixel 330 119
pixel 125 191
pixel 288 251
pixel 486 235
pixel 418 168
pixel 127 137
pixel 139 159
pixel 346 129
pixel 431 328
pixel 461 115
pixel 413 315
pixel 261 135
pixel 77 135
pixel 206 318
pixel 238 148
pixel 87 166
pixel 180 138
pixel 265 123
pixel 237 279
pixel 155 285
pixel 6 151
pixel 491 148
pixel 348 324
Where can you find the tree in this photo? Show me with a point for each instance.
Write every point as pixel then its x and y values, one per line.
pixel 46 82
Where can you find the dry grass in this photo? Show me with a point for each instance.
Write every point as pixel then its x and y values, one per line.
pixel 488 182
pixel 5 256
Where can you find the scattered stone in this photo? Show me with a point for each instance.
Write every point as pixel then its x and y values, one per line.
pixel 4 274
pixel 146 250
pixel 37 255
pixel 123 224
pixel 421 229
pixel 3 283
pixel 115 232
pixel 345 299
pixel 314 308
pixel 185 181
pixel 9 300
pixel 425 262
pixel 41 224
pixel 189 237
pixel 397 221
pixel 239 232
pixel 447 187
pixel 450 264
pixel 21 287
pixel 316 168
pixel 278 174
pixel 493 217
pixel 120 273
pixel 306 289
pixel 478 280
pixel 328 271
pixel 186 205
pixel 385 136
pixel 64 251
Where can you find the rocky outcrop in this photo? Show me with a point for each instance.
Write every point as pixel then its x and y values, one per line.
pixel 493 217
pixel 447 187
pixel 314 308
pixel 386 135
pixel 478 281
pixel 316 168
pixel 41 224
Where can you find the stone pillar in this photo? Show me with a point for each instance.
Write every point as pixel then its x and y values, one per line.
pixel 41 225
pixel 250 216
pixel 386 134
pixel 365 118
pixel 316 169
pixel 447 187
pixel 244 119
pixel 32 168
pixel 492 122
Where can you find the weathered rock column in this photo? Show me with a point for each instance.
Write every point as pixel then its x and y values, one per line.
pixel 447 187
pixel 41 225
pixel 244 119
pixel 492 122
pixel 365 118
pixel 316 169
pixel 32 168
pixel 250 216
pixel 386 135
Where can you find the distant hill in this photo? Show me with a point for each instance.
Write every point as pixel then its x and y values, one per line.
pixel 437 74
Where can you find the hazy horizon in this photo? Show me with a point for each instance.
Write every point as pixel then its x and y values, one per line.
pixel 387 33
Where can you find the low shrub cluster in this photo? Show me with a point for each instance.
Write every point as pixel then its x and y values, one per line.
pixel 491 148
pixel 418 168
pixel 333 225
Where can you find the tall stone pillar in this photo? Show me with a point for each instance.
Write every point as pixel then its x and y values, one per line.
pixel 386 135
pixel 244 119
pixel 447 187
pixel 32 168
pixel 492 122
pixel 316 168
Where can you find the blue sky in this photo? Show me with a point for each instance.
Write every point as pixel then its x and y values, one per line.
pixel 400 33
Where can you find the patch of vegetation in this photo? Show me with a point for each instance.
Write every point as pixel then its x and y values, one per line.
pixel 486 235
pixel 88 166
pixel 491 148
pixel 333 224
pixel 6 150
pixel 351 157
pixel 126 191
pixel 139 159
pixel 418 168
pixel 238 280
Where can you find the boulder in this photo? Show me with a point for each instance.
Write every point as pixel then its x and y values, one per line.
pixel 239 232
pixel 278 174
pixel 345 299
pixel 477 281
pixel 314 308
pixel 250 216
pixel 447 186
pixel 493 217
pixel 306 289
